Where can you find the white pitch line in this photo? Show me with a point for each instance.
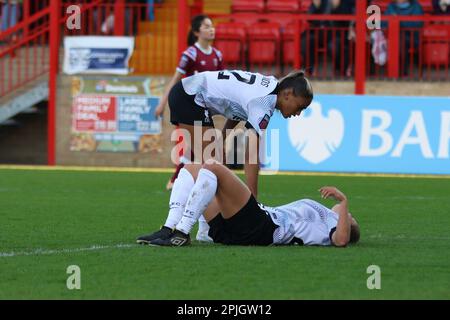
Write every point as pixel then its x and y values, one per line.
pixel 263 172
pixel 40 251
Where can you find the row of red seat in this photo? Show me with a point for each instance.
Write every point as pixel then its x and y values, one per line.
pixel 269 42
pixel 427 5
pixel 259 6
pixel 300 6
pixel 436 44
pixel 262 40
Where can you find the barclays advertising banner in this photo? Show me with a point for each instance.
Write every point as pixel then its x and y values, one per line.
pixel 97 55
pixel 364 134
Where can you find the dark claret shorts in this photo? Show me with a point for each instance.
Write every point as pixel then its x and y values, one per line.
pixel 250 226
pixel 184 110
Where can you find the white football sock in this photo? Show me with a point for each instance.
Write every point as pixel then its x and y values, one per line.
pixel 203 226
pixel 178 197
pixel 184 160
pixel 202 194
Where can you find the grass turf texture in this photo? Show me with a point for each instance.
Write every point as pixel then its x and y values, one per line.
pixel 404 230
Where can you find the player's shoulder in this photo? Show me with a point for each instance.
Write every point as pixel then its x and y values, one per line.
pixel 267 81
pixel 218 53
pixel 191 52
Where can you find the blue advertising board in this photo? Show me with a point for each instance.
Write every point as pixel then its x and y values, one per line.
pixel 137 114
pixel 367 134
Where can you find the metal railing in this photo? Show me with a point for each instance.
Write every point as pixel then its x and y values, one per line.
pixel 327 52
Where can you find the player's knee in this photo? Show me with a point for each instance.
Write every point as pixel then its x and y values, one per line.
pixel 192 167
pixel 212 165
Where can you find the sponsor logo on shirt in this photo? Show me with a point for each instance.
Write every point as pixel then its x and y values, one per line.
pixel 264 122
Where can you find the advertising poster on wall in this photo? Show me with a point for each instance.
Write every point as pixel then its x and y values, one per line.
pixel 97 55
pixel 116 114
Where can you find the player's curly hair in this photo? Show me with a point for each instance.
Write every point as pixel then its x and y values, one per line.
pixel 299 83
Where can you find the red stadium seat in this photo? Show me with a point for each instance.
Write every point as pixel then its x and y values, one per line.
pixel 304 5
pixel 288 49
pixel 383 4
pixel 436 45
pixel 263 43
pixel 230 39
pixel 247 18
pixel 292 6
pixel 427 6
pixel 283 19
pixel 256 6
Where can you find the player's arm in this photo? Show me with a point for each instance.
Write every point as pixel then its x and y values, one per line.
pixel 341 236
pixel 251 165
pixel 185 66
pixel 229 125
pixel 162 103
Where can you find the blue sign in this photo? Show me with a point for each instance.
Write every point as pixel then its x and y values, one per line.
pixel 367 134
pixel 137 114
pixel 92 54
pixel 102 58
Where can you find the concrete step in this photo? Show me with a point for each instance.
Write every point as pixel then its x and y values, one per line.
pixel 23 98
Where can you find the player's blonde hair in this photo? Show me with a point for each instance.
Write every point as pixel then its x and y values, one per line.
pixel 354 233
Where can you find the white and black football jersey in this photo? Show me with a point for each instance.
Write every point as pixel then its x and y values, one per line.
pixel 235 94
pixel 303 222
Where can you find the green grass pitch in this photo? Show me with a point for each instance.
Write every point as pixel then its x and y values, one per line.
pixel 50 220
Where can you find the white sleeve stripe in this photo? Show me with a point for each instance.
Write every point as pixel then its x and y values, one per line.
pixel 218 54
pixel 190 55
pixel 181 71
pixel 255 127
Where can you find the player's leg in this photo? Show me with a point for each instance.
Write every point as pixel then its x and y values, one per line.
pixel 232 193
pixel 193 123
pixel 213 208
pixel 213 180
pixel 189 138
pixel 242 220
pixel 178 197
pixel 202 143
pixel 184 114
pixel 184 157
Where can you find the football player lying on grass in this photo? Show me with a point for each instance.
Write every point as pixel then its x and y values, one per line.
pixel 235 218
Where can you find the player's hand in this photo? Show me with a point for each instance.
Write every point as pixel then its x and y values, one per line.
pixel 332 192
pixel 159 110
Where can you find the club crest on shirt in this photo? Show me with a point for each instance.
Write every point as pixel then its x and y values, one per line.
pixel 264 122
